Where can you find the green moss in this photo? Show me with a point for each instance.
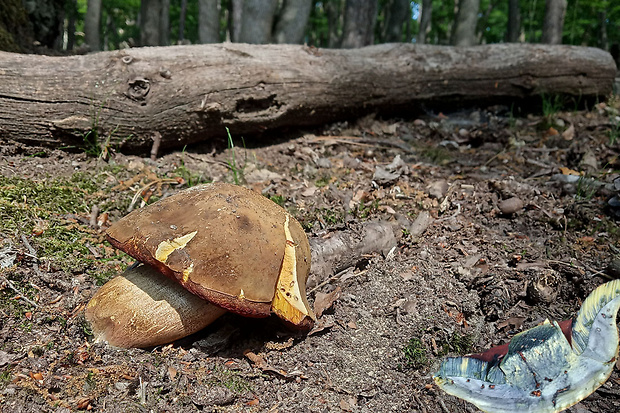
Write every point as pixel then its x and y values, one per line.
pixel 229 379
pixel 278 199
pixel 457 343
pixel 364 210
pixel 437 155
pixel 322 181
pixel 415 354
pixel 6 376
pixel 9 299
pixel 51 213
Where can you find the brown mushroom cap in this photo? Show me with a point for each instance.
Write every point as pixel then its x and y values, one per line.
pixel 224 243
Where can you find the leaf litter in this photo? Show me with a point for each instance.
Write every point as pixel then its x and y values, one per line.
pixel 469 269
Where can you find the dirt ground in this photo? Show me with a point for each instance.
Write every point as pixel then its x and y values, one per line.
pixel 496 230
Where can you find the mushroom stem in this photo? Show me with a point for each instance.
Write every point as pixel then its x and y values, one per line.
pixel 142 308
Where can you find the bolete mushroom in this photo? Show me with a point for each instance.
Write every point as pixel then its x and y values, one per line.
pixel 547 368
pixel 206 250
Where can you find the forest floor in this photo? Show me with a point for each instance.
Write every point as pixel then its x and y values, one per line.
pixel 469 269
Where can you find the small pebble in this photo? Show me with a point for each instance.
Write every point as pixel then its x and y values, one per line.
pixel 510 205
pixel 437 189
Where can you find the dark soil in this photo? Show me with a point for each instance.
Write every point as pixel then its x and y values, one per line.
pixel 512 238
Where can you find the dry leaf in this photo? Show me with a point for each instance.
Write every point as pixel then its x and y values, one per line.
pixel 36 376
pixel 254 402
pixel 348 404
pixel 516 322
pixel 569 133
pixel 567 171
pixel 552 132
pixel 323 323
pixel 324 301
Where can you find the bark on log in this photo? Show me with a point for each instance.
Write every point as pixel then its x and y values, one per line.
pixel 190 93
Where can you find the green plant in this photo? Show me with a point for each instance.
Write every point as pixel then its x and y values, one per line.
pixel 438 155
pixel 512 120
pixel 457 343
pixel 230 379
pixel 322 181
pixel 190 178
pixel 586 188
pixel 5 376
pixel 364 210
pixel 90 380
pixel 415 353
pixel 236 169
pixel 551 105
pixel 278 199
pixel 614 131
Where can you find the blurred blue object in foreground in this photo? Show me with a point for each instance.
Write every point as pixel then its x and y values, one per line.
pixel 547 368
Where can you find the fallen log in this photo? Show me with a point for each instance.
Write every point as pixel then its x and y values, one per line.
pixel 179 95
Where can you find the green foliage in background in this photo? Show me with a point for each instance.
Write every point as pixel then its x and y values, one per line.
pixel 587 22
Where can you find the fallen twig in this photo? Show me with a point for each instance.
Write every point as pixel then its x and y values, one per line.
pixel 20 295
pixel 336 277
pixel 584 267
pixel 367 142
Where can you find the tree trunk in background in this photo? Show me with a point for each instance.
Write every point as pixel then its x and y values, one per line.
pixel 164 23
pixel 464 30
pixel 292 22
pixel 17 32
pixel 92 25
pixel 554 21
pixel 109 26
pixel 359 23
pixel 188 94
pixel 397 14
pixel 182 21
pixel 47 18
pixel 150 22
pixel 71 24
pixel 425 21
pixel 257 21
pixel 603 40
pixel 208 21
pixel 235 18
pixel 332 9
pixel 514 22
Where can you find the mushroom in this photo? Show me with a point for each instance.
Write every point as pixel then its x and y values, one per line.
pixel 204 251
pixel 547 368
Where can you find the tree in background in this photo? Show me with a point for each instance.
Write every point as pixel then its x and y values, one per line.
pixel 464 29
pixel 514 22
pixel 396 14
pixel 554 21
pixel 425 20
pixel 359 21
pixel 47 18
pixel 16 34
pixel 92 23
pixel 257 20
pixel 208 21
pixel 291 21
pixel 64 25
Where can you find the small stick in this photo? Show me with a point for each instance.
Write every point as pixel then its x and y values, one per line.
pixel 335 277
pixel 94 213
pixel 19 293
pixel 156 142
pixel 584 267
